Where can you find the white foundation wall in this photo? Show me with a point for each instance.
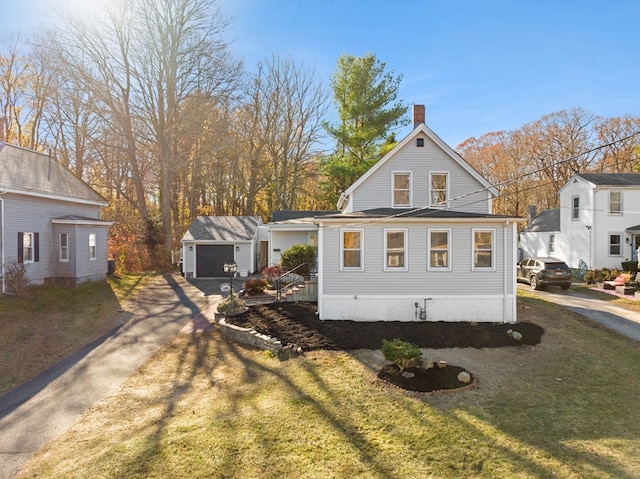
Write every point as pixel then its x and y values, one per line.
pixel 493 309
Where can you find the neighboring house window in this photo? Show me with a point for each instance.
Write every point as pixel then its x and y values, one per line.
pixel 615 244
pixel 401 189
pixel 439 250
pixel 28 247
pixel 92 246
pixel 615 203
pixel 552 244
pixel 395 246
pixel 64 247
pixel 439 188
pixel 483 249
pixel 352 247
pixel 575 208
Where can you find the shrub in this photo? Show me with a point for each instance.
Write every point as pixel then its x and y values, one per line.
pixel 17 280
pixel 296 255
pixel 254 286
pixel 401 353
pixel 231 304
pixel 271 273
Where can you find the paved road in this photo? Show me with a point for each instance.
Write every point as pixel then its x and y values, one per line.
pixel 42 409
pixel 619 319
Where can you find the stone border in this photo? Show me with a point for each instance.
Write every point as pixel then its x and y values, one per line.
pixel 248 336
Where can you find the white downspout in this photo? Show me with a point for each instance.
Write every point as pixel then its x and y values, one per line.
pixel 506 272
pixel 4 288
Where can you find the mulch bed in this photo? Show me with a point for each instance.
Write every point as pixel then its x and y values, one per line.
pixel 423 380
pixel 297 323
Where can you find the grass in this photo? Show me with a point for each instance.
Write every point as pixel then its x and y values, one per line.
pixel 54 321
pixel 617 300
pixel 204 407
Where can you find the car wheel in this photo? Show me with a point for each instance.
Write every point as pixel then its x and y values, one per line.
pixel 535 284
pixel 565 286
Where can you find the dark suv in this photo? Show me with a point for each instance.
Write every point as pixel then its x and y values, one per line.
pixel 542 272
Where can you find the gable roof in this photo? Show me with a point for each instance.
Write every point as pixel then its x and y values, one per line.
pixel 547 220
pixel 32 173
pixel 223 228
pixel 612 179
pixel 424 129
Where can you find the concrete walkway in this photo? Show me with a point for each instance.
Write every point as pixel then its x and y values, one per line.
pixel 45 407
pixel 624 321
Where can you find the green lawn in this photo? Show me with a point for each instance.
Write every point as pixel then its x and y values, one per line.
pixel 203 407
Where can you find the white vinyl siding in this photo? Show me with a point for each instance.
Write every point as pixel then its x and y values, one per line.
pixel 439 250
pixel 64 247
pixel 401 189
pixel 439 189
pixel 615 203
pixel 483 249
pixel 352 249
pixel 395 250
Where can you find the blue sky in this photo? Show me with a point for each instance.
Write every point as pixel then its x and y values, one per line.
pixel 477 66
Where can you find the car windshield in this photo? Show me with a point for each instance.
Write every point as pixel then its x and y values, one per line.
pixel 555 266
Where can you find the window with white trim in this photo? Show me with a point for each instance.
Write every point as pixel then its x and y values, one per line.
pixel 575 208
pixel 92 246
pixel 64 247
pixel 395 248
pixel 352 248
pixel 28 248
pixel 439 189
pixel 552 244
pixel 483 246
pixel 615 203
pixel 401 189
pixel 439 250
pixel 615 244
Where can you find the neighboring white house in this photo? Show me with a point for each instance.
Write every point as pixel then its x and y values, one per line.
pixel 49 220
pixel 416 233
pixel 596 226
pixel 212 241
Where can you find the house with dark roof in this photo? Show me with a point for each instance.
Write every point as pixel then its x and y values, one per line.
pixel 597 224
pixel 50 222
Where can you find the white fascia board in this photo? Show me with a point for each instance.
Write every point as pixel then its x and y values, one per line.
pixel 63 221
pixel 50 196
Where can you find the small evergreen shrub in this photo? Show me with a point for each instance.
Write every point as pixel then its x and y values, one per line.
pixel 231 304
pixel 297 255
pixel 254 286
pixel 401 353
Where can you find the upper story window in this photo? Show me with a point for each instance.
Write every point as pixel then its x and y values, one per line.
pixel 92 246
pixel 483 249
pixel 439 189
pixel 401 189
pixel 395 247
pixel 352 247
pixel 575 208
pixel 615 203
pixel 420 142
pixel 64 247
pixel 439 248
pixel 552 244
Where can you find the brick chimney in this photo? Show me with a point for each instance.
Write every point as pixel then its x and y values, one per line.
pixel 418 115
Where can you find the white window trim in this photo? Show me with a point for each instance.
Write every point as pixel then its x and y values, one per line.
pixel 393 189
pixel 405 249
pixel 95 247
pixel 612 213
pixel 493 249
pixel 609 235
pixel 552 243
pixel 33 249
pixel 351 230
pixel 574 209
pixel 61 248
pixel 446 203
pixel 439 268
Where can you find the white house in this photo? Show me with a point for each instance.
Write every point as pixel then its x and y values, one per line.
pixel 597 224
pixel 49 220
pixel 416 239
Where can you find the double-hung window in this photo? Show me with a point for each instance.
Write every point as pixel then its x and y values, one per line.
pixel 395 247
pixel 439 189
pixel 575 208
pixel 552 244
pixel 615 244
pixel 352 247
pixel 92 246
pixel 401 189
pixel 64 247
pixel 28 247
pixel 615 203
pixel 483 246
pixel 439 250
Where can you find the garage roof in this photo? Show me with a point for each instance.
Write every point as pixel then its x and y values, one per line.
pixel 223 228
